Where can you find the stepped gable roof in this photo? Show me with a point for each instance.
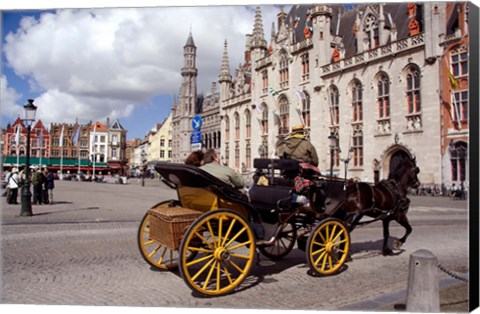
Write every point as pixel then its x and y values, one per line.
pixel 397 11
pixel 100 127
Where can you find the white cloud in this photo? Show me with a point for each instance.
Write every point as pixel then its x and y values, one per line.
pixel 9 98
pixel 93 63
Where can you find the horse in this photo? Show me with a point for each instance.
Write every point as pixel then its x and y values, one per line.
pixel 386 201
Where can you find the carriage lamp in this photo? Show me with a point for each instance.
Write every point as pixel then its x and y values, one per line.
pixel 29 110
pixel 333 142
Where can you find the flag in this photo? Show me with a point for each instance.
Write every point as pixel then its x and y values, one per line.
pixel 17 135
pixel 93 138
pixel 259 110
pixel 272 91
pixel 40 139
pixel 300 94
pixel 75 137
pixel 61 137
pixel 453 81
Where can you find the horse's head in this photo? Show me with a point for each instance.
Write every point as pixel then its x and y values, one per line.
pixel 406 174
pixel 412 173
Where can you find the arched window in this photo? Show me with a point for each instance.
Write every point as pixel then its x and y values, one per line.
pixel 283 69
pixel 357 147
pixel 306 109
pixel 264 109
pixel 248 155
pixel 458 160
pixel 236 118
pixel 305 67
pixel 284 127
pixel 357 102
pixel 383 96
pixel 413 91
pixel 248 124
pixel 237 155
pixel 334 98
pixel 227 128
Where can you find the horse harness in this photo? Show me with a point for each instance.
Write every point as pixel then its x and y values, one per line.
pixel 401 203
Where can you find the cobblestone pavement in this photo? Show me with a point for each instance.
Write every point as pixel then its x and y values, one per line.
pixel 82 251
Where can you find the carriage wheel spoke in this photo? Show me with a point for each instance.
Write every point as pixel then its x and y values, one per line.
pixel 320 257
pixel 149 242
pixel 239 245
pixel 198 260
pixel 238 268
pixel 154 250
pixel 235 237
pixel 204 240
pixel 232 223
pixel 203 269
pixel 209 275
pixel 199 249
pixel 212 235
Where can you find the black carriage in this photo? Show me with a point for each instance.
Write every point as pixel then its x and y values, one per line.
pixel 212 230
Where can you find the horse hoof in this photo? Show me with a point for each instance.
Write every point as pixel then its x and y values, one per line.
pixel 387 252
pixel 397 244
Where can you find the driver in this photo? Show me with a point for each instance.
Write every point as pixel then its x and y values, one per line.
pixel 296 146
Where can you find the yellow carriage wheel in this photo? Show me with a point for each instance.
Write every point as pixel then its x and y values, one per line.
pixel 225 247
pixel 153 252
pixel 328 246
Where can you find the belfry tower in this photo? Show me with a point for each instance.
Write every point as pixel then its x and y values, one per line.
pixel 184 110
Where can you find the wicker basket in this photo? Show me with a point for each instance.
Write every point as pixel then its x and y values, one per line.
pixel 168 224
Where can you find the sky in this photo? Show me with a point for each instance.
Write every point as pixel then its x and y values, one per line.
pixel 86 64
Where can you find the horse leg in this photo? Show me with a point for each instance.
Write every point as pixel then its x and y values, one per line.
pixel 386 235
pixel 403 221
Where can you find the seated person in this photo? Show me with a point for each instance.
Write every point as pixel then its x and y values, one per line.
pixel 213 166
pixel 295 146
pixel 195 158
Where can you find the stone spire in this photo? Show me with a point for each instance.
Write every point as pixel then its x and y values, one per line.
pixel 225 70
pixel 258 40
pixel 190 42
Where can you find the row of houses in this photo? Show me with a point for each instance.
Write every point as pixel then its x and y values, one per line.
pixel 93 147
pixel 155 146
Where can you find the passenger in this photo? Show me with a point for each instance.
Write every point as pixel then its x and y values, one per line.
pixel 195 158
pixel 295 146
pixel 213 166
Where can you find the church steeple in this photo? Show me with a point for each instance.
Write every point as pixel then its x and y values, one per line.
pixel 189 74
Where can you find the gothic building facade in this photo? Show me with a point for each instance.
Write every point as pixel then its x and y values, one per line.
pixel 373 77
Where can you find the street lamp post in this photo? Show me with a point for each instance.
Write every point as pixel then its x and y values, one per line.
pixel 30 110
pixel 332 143
pixel 144 166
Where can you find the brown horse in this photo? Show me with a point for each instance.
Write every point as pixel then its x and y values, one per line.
pixel 386 201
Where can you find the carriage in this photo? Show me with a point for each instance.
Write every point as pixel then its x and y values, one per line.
pixel 212 231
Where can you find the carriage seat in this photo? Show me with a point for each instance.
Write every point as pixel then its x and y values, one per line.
pixel 279 172
pixel 182 175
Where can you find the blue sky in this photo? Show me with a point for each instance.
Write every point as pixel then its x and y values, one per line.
pixel 121 63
